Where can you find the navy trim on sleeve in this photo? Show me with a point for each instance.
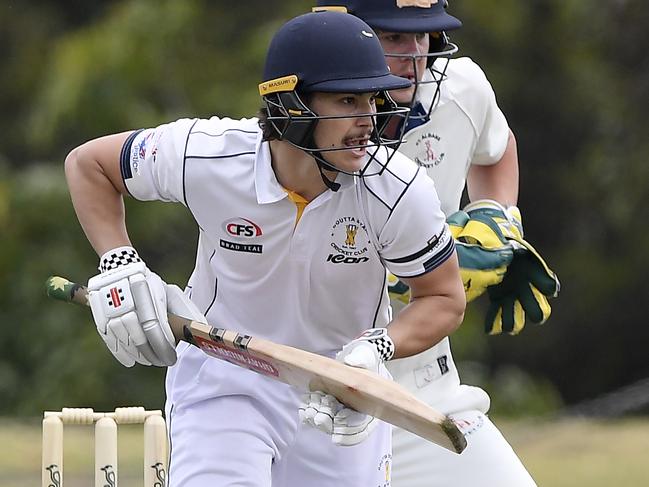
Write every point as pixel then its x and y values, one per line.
pixel 408 258
pixel 435 261
pixel 441 257
pixel 125 157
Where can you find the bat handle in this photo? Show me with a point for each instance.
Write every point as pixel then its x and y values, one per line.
pixel 62 289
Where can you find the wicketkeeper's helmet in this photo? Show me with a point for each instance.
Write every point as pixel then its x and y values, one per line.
pixel 410 16
pixel 331 52
pixel 387 15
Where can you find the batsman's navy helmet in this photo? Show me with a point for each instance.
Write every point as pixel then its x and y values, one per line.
pixel 330 52
pixel 327 52
pixel 386 15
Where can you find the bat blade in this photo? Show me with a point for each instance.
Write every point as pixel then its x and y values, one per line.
pixel 359 389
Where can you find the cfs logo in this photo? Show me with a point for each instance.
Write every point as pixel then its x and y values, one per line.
pixel 242 227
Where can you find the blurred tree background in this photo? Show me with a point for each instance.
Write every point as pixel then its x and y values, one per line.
pixel 571 76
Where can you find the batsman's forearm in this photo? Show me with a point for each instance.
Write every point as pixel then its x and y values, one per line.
pixel 424 323
pixel 97 203
pixel 435 311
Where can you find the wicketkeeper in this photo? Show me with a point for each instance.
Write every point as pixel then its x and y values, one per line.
pixel 458 134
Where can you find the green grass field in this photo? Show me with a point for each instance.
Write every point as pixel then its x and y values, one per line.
pixel 568 453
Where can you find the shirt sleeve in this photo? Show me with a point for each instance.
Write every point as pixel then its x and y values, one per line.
pixel 494 131
pixel 152 162
pixel 416 239
pixel 472 91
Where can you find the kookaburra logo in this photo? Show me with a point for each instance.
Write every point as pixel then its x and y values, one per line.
pixel 55 476
pixel 160 474
pixel 109 473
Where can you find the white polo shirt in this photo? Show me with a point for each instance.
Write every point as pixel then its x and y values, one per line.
pixel 313 282
pixel 466 127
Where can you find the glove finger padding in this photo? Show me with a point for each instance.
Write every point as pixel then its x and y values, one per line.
pixel 114 346
pixel 518 296
pixel 536 305
pixel 307 411
pixel 540 275
pixel 504 315
pixel 150 295
pixel 121 328
pixel 351 427
pixel 318 409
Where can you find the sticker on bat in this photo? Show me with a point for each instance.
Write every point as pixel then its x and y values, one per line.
pixel 236 356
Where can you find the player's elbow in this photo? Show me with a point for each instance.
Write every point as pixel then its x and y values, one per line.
pixel 454 298
pixel 454 305
pixel 73 164
pixel 80 166
pixel 456 311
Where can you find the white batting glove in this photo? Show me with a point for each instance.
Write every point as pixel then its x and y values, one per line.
pixel 318 410
pixel 347 426
pixel 129 306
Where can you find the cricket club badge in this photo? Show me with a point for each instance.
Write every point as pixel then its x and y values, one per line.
pixel 429 150
pixel 350 241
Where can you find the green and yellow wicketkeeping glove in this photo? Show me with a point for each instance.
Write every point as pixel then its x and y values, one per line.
pixel 523 293
pixel 483 253
pixel 528 282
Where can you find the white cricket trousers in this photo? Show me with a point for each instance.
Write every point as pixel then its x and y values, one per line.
pixel 232 427
pixel 487 461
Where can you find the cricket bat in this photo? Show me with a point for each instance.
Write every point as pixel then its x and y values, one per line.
pixel 357 388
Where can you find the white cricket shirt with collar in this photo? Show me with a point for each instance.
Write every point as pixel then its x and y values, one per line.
pixel 466 127
pixel 315 283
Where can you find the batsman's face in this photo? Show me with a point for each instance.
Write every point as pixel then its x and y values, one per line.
pixel 399 47
pixel 352 129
